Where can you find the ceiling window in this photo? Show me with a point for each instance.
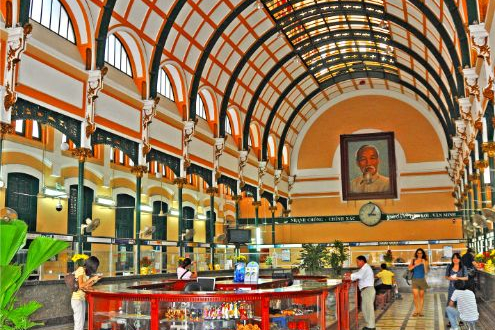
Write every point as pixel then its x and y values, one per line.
pixel 116 55
pixel 164 85
pixel 51 14
pixel 200 108
pixel 228 126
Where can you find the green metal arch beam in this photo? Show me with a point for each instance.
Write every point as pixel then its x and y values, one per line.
pixel 315 92
pixel 206 53
pixel 256 95
pixel 237 71
pixel 428 44
pixel 389 17
pixel 447 125
pixel 160 45
pixel 405 25
pixel 410 52
pixel 282 96
pixel 101 39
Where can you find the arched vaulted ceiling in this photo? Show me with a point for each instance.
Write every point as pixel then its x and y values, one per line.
pixel 278 61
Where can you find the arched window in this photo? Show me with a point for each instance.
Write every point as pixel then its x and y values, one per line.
pixel 51 14
pixel 21 195
pixel 271 147
pixel 228 126
pixel 200 108
pixel 116 55
pixel 164 85
pixel 285 156
pixel 159 221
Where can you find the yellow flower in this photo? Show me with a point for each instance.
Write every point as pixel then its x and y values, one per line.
pixel 492 254
pixel 489 262
pixel 78 256
pixel 241 259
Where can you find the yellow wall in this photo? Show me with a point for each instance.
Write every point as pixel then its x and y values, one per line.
pixel 382 113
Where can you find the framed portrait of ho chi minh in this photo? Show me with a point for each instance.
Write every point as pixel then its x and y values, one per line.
pixel 368 168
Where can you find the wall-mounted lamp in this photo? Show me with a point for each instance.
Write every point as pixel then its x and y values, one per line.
pixel 54 192
pixel 146 208
pixel 174 212
pixel 105 201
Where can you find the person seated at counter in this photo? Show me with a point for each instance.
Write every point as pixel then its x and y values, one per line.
pixel 183 271
pixel 387 278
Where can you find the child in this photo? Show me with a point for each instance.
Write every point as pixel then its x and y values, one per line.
pixel 387 278
pixel 467 310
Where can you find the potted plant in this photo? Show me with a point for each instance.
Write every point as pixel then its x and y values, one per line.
pixel 338 256
pixel 145 266
pixel 12 276
pixel 314 257
pixel 388 258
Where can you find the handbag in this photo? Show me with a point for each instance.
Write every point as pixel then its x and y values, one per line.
pixel 408 276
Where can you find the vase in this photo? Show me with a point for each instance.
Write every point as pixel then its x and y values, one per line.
pixel 239 272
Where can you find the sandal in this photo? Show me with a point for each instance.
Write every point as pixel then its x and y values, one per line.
pixel 415 314
pixel 421 314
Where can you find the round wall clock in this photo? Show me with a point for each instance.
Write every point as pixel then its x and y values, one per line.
pixel 370 214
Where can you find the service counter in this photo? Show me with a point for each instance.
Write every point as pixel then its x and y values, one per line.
pixel 309 304
pixel 486 285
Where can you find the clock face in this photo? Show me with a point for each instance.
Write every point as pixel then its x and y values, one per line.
pixel 370 214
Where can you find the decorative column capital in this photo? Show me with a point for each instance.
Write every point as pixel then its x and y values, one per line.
pixel 180 182
pixel 473 177
pixel 273 208
pixel 237 198
pixel 286 213
pixel 489 148
pixel 256 204
pixel 479 41
pixel 139 170
pixel 481 165
pixel 212 191
pixel 471 81
pixel 82 153
pixel 6 129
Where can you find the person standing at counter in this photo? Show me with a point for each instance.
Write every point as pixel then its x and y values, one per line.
pixel 85 278
pixel 366 281
pixel 183 271
pixel 419 267
pixel 471 265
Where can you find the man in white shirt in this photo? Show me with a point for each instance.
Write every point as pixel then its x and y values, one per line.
pixel 366 282
pixel 467 310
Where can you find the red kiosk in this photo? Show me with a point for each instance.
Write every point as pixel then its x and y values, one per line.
pixel 309 304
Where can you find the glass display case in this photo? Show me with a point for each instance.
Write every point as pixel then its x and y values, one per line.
pixel 228 315
pixel 302 306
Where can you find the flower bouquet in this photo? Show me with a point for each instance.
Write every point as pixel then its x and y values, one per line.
pixel 486 260
pixel 79 258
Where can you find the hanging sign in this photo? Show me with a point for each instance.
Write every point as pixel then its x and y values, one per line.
pixel 355 218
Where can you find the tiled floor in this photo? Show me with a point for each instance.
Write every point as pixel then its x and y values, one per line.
pixel 399 315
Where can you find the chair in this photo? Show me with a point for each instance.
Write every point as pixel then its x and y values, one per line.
pixel 192 286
